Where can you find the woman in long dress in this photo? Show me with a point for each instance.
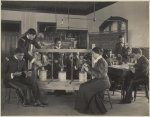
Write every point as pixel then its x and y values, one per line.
pixel 85 102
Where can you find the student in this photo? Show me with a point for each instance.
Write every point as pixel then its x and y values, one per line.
pixel 140 74
pixel 119 48
pixel 16 76
pixel 57 57
pixel 26 44
pixel 98 84
pixel 127 56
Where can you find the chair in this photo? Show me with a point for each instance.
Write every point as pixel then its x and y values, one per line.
pixel 8 95
pixel 116 84
pixel 145 86
pixel 107 97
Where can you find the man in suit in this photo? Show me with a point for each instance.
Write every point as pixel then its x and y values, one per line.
pixel 16 75
pixel 120 46
pixel 140 73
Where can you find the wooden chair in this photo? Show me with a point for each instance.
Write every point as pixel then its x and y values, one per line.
pixel 107 97
pixel 145 86
pixel 8 95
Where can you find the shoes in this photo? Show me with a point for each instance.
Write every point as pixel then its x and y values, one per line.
pixel 26 105
pixel 125 101
pixel 45 104
pixel 39 103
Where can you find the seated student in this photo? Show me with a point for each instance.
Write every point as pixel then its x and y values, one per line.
pixel 109 58
pixel 127 55
pixel 16 76
pixel 88 89
pixel 140 75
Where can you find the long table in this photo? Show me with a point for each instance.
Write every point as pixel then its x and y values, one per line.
pixel 55 84
pixel 120 72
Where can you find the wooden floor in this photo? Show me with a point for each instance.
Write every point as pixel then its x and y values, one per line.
pixel 64 105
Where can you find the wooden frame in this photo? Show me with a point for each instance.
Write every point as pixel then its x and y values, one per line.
pixel 55 84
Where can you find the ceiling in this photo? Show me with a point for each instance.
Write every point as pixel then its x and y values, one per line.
pixel 61 7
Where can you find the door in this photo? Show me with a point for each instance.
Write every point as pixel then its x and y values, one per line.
pixel 10 32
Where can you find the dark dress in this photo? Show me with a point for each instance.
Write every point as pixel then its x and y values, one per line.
pixel 84 102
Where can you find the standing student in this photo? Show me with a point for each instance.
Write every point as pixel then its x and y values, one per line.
pixel 57 57
pixel 26 44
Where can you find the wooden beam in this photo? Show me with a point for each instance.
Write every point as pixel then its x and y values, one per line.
pixel 63 50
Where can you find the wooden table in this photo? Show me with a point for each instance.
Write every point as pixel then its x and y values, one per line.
pixel 120 72
pixel 55 84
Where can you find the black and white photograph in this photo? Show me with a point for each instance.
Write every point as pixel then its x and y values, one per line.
pixel 74 58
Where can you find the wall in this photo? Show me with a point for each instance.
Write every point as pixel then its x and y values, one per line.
pixel 30 19
pixel 137 14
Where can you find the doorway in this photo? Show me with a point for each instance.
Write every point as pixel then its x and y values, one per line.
pixel 10 32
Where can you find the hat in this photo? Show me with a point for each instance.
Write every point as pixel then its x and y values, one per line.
pixel 17 50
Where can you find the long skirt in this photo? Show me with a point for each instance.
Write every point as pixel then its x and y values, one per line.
pixel 83 102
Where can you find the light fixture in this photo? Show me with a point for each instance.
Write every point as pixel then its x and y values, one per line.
pixel 94 18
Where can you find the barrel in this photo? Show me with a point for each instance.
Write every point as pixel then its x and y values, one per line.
pixel 43 75
pixel 82 77
pixel 62 76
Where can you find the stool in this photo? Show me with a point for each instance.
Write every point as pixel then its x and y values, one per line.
pixel 146 91
pixel 106 93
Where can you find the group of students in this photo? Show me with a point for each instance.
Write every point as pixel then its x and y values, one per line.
pixel 122 53
pixel 15 73
pixel 138 75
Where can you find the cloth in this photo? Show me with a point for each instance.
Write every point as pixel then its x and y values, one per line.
pixel 96 105
pixel 90 88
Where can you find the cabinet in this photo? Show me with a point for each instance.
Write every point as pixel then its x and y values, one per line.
pixel 109 32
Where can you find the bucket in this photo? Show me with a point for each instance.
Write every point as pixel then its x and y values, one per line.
pixel 62 76
pixel 82 77
pixel 43 75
